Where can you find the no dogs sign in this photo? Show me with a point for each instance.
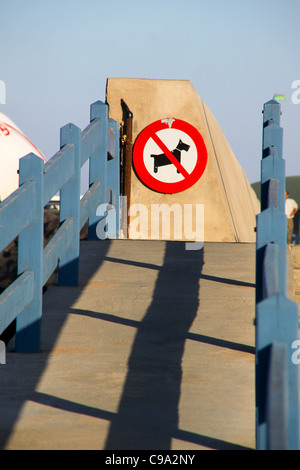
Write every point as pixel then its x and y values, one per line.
pixel 169 155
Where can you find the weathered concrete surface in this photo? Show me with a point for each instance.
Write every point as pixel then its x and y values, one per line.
pixel 230 204
pixel 153 350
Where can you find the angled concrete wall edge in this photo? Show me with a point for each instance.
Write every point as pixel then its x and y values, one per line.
pixel 230 204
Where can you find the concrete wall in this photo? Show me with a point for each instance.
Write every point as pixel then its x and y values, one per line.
pixel 230 204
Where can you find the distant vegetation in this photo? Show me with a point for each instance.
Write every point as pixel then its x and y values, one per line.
pixel 292 184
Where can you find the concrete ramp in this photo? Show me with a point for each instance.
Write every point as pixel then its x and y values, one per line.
pixel 230 204
pixel 153 350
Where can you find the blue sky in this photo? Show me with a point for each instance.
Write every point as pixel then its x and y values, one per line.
pixel 56 56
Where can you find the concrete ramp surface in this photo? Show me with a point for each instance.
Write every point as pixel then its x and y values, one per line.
pixel 153 350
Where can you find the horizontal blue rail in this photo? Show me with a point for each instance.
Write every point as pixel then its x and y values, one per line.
pixel 277 390
pixel 22 216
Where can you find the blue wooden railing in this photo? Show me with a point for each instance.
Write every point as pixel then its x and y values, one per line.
pixel 277 395
pixel 22 214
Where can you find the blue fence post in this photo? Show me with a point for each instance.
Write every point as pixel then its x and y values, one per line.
pixel 276 315
pixel 30 257
pixel 113 175
pixel 272 167
pixel 70 207
pixel 98 163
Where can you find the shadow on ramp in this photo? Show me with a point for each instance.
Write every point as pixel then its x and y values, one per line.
pixel 147 416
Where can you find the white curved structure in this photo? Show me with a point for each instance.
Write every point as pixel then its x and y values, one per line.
pixel 13 145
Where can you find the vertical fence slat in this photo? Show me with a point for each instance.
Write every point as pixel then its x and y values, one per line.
pixel 271 225
pixel 277 401
pixel 272 163
pixel 271 228
pixel 276 315
pixel 98 162
pixel 30 257
pixel 70 207
pixel 270 271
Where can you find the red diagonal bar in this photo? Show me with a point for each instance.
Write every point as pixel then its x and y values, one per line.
pixel 170 156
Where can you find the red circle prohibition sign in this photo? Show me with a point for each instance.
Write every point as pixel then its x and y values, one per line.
pixel 188 177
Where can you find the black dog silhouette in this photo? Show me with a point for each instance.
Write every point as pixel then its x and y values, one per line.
pixel 162 159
